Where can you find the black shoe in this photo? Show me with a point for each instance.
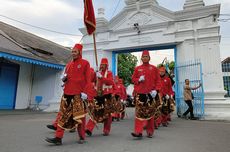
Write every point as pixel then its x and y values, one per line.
pixel 56 140
pixel 184 117
pixel 164 125
pixel 150 136
pixel 89 133
pixel 51 127
pixel 105 134
pixel 81 141
pixel 137 135
pixel 193 118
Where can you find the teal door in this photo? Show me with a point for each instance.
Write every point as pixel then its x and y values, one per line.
pixel 192 71
pixel 8 84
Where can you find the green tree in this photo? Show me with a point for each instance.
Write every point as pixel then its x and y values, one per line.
pixel 126 64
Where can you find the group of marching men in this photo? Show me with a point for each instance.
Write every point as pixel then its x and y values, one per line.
pixel 100 96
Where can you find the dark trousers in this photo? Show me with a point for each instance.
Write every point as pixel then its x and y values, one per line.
pixel 190 108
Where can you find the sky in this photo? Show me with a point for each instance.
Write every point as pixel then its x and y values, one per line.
pixel 157 57
pixel 66 16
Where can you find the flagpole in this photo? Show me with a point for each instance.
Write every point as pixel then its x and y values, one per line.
pixel 95 50
pixel 95 54
pixel 90 22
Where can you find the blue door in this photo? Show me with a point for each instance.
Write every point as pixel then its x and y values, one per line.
pixel 8 85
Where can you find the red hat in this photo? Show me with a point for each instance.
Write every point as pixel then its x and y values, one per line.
pixel 104 61
pixel 145 52
pixel 78 46
pixel 116 77
pixel 162 69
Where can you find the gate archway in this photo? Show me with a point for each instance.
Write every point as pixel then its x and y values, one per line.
pixel 145 24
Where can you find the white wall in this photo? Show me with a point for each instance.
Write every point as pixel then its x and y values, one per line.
pixel 90 57
pixel 24 86
pixel 43 83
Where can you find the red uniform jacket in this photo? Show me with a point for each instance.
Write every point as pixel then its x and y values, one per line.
pixel 152 79
pixel 78 77
pixel 124 94
pixel 106 83
pixel 119 90
pixel 91 91
pixel 166 86
pixel 123 89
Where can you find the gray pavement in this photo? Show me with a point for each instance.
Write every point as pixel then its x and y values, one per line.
pixel 25 132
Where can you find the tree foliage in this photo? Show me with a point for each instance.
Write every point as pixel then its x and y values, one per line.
pixel 126 64
pixel 171 65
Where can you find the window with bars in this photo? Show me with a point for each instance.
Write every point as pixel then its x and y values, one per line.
pixel 226 77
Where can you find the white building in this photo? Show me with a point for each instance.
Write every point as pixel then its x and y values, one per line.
pixel 30 66
pixel 193 33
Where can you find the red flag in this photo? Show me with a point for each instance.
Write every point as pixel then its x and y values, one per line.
pixel 89 17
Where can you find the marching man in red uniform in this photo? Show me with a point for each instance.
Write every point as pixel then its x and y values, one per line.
pixel 118 95
pixel 146 79
pixel 167 95
pixel 72 110
pixel 103 101
pixel 91 93
pixel 123 98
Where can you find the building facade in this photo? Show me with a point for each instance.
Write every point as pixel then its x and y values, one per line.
pixel 30 67
pixel 193 33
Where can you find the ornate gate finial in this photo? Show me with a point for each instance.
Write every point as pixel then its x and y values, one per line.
pixel 190 4
pixel 131 2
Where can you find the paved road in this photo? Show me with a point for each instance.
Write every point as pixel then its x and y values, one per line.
pixel 25 132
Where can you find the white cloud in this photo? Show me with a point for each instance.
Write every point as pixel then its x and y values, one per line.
pixel 38 8
pixel 157 56
pixel 57 15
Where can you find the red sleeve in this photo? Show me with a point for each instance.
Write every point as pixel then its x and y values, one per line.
pixel 170 87
pixel 109 79
pixel 135 77
pixel 67 67
pixel 87 77
pixel 91 92
pixel 115 89
pixel 124 93
pixel 158 81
